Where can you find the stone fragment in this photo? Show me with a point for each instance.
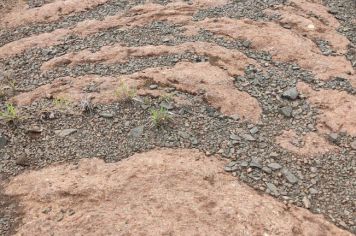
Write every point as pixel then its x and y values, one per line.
pixel 274 166
pixel 289 176
pixel 65 132
pixel 3 141
pixel 273 189
pixel 286 111
pixel 291 93
pixel 231 167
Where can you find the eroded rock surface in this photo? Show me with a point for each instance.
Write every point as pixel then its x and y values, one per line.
pixel 48 12
pixel 190 77
pixel 306 145
pixel 337 108
pixel 154 193
pixel 231 60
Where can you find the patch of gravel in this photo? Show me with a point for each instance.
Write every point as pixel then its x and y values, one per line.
pixel 251 9
pixel 37 3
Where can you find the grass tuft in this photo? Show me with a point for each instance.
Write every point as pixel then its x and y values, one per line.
pixel 10 114
pixel 160 116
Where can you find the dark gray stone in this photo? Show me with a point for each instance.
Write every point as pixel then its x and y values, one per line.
pixel 289 176
pixel 22 161
pixel 246 43
pixel 231 167
pixel 183 134
pixel 291 93
pixel 255 163
pixel 334 137
pixel 244 164
pixel 266 170
pixel 273 189
pixel 274 166
pixel 194 141
pixel 3 142
pixel 286 111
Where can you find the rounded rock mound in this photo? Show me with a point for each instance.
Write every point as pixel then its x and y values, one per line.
pixel 160 192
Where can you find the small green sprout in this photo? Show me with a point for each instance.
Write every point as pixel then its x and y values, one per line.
pixel 160 116
pixel 10 113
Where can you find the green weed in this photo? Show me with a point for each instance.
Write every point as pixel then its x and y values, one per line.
pixel 160 116
pixel 10 113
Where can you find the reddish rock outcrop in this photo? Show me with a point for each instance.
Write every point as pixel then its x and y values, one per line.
pixel 312 20
pixel 337 109
pixel 308 145
pixel 48 12
pixel 228 59
pixel 283 44
pixel 296 44
pixel 146 193
pixel 189 77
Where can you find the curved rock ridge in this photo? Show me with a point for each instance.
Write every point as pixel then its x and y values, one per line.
pixel 281 43
pixel 312 20
pixel 176 12
pixel 289 45
pixel 35 41
pixel 193 78
pixel 337 108
pixel 146 193
pixel 216 83
pixel 10 6
pixel 48 12
pixel 309 145
pixel 233 61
